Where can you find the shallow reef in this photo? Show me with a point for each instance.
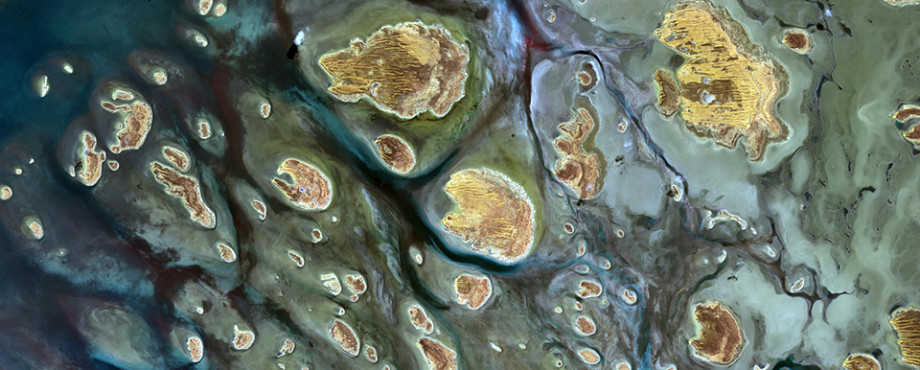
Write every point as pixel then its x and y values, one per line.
pixel 446 184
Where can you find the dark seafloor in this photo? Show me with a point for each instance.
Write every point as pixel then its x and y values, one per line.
pixel 459 185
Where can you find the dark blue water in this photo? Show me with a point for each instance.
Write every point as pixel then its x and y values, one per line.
pixel 101 33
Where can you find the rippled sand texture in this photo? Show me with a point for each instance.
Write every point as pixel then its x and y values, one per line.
pixel 404 69
pixel 727 88
pixel 382 184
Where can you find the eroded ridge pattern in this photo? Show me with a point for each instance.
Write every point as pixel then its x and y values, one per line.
pixel 727 87
pixel 460 184
pixel 405 69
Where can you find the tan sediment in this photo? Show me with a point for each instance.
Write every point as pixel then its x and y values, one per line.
pixel 296 257
pixel 177 157
pixel 135 124
pixel 420 319
pixel 227 254
pixel 242 339
pixel 585 326
pixel 204 129
pixel 159 76
pixel 588 289
pixel 668 94
pixel 331 282
pixel 798 40
pixel 287 347
pixel 204 6
pixel 587 77
pixel 317 235
pixel 198 38
pixel 220 9
pixel 584 79
pixel 187 189
pixel 345 337
pixel 589 356
pixel 311 189
pixel 577 167
pixel 90 165
pixel 912 135
pixel 395 153
pixel 906 112
pixel 403 69
pixel 265 109
pixel 906 324
pixel 260 208
pixel 195 349
pixel 629 297
pixel 473 291
pixel 438 356
pixel 861 361
pixel 728 86
pixel 119 94
pixel 720 340
pixel 34 228
pixel 356 283
pixel 494 214
pixel 370 353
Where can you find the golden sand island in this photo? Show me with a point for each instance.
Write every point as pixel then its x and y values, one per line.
pixel 906 324
pixel 720 339
pixel 494 214
pixel 395 153
pixel 404 69
pixel 727 87
pixel 861 361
